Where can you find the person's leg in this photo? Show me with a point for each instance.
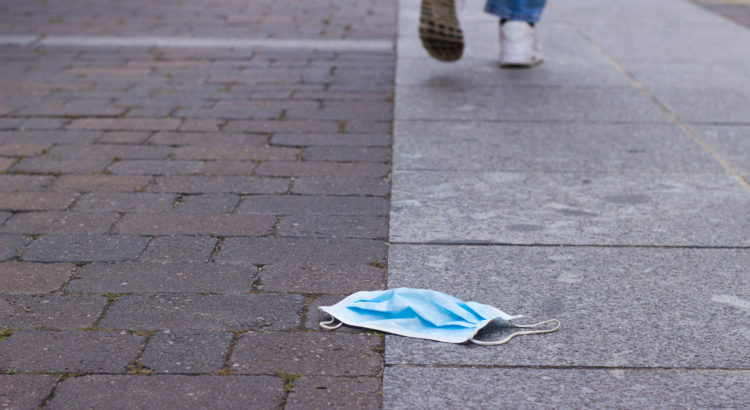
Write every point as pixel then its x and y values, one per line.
pixel 518 43
pixel 521 10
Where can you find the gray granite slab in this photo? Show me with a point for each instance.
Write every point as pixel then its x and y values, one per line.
pixel 570 208
pixel 436 388
pixel 525 103
pixel 730 142
pixel 549 147
pixel 619 307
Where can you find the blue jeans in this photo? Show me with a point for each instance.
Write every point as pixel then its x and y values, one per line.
pixel 524 10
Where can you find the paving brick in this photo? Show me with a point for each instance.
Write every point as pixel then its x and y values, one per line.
pixel 222 167
pixel 47 164
pixel 11 245
pixel 301 251
pixel 345 110
pixel 320 278
pixel 341 186
pixel 159 392
pixel 343 95
pixel 208 203
pixel 153 167
pixel 35 201
pixel 315 315
pixel 209 224
pixel 17 149
pixel 228 184
pixel 50 311
pixel 318 226
pixel 124 202
pixel 4 216
pixel 329 140
pixel 209 139
pixel 24 391
pixel 13 183
pixel 235 153
pixel 307 353
pixel 69 351
pixel 123 137
pixel 179 249
pixel 130 124
pixel 282 126
pixel 135 277
pixel 73 108
pixel 209 312
pixel 320 392
pixel 49 137
pixel 193 124
pixel 103 183
pixel 186 351
pixel 347 154
pixel 5 163
pixel 301 205
pixel 368 127
pixel 85 248
pixel 23 277
pixel 110 151
pixel 333 169
pixel 60 222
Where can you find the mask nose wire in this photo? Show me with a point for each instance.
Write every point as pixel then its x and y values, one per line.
pixel 523 332
pixel 327 324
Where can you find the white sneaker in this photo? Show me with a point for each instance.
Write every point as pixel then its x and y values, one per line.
pixel 518 45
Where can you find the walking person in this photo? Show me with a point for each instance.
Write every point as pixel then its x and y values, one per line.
pixel 442 37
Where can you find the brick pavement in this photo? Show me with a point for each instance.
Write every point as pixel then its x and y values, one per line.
pixel 170 218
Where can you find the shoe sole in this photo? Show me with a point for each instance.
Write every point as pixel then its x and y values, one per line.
pixel 519 64
pixel 440 31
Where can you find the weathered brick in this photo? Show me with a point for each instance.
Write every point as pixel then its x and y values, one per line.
pixel 130 124
pixel 223 167
pixel 186 351
pixel 110 151
pixel 209 139
pixel 208 203
pixel 307 353
pixel 69 351
pixel 103 183
pixel 341 186
pixel 282 126
pixel 153 167
pixel 348 154
pixel 5 163
pixel 18 149
pixel 85 248
pixel 368 127
pixel 179 249
pixel 23 277
pixel 35 201
pixel 342 95
pixel 328 140
pixel 209 224
pixel 235 153
pixel 124 202
pixel 123 137
pixel 73 108
pixel 334 226
pixel 228 184
pixel 313 205
pixel 320 278
pixel 321 392
pixel 14 183
pixel 50 311
pixel 25 391
pixel 47 164
pixel 315 169
pixel 192 124
pixel 210 312
pixel 60 222
pixel 136 277
pixel 174 391
pixel 302 251
pixel 11 245
pixel 49 137
pixel 345 111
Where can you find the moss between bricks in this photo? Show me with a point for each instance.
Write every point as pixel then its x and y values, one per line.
pixel 289 379
pixel 5 333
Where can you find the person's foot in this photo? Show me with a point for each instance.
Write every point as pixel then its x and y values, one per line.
pixel 518 45
pixel 439 30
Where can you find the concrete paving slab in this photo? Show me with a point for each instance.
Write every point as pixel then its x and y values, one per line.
pixel 523 103
pixel 548 147
pixel 619 307
pixel 732 143
pixel 431 388
pixel 570 208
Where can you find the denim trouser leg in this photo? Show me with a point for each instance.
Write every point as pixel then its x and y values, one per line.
pixel 524 10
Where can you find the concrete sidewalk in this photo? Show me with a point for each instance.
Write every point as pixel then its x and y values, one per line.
pixel 607 187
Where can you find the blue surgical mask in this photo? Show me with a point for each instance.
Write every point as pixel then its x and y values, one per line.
pixel 423 313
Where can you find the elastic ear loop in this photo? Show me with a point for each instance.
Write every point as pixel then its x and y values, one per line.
pixel 327 324
pixel 523 332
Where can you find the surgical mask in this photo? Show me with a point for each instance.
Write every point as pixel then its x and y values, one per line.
pixel 424 314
